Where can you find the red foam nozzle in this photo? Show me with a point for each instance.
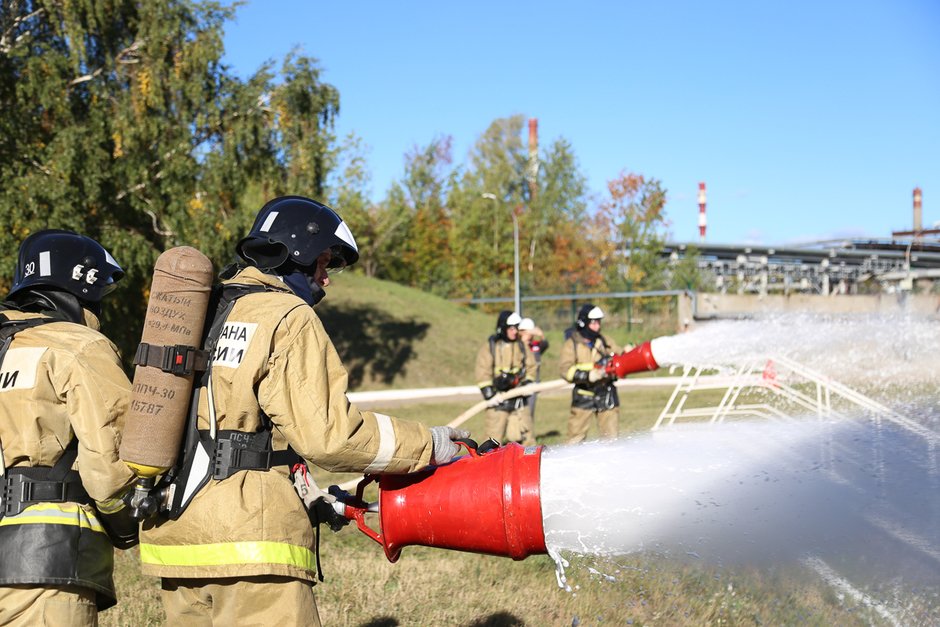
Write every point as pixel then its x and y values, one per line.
pixel 638 360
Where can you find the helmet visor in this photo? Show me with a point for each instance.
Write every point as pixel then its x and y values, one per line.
pixel 337 261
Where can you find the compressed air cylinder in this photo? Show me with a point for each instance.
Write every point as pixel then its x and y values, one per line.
pixel 176 314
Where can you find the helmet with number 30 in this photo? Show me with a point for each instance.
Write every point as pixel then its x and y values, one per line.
pixel 66 261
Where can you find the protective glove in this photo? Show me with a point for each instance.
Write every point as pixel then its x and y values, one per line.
pixel 596 374
pixel 505 381
pixel 118 521
pixel 488 392
pixel 319 504
pixel 444 448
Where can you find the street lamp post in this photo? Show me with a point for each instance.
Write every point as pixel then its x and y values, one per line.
pixel 515 262
pixel 517 300
pixel 492 197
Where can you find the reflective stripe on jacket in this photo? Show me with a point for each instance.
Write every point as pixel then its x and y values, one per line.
pixel 274 358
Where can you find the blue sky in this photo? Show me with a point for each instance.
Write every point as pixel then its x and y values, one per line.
pixel 807 120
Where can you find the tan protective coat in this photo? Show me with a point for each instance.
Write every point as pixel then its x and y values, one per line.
pixel 275 357
pixel 509 357
pixel 68 380
pixel 577 355
pixel 176 313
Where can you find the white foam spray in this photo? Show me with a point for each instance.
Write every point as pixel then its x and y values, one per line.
pixel 751 493
pixel 862 493
pixel 872 352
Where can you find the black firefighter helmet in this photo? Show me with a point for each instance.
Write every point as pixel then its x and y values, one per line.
pixel 296 230
pixel 66 261
pixel 585 315
pixel 504 320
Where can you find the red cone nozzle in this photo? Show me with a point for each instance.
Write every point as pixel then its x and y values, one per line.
pixel 487 503
pixel 638 360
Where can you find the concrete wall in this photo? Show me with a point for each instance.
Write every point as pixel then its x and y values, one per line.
pixel 730 305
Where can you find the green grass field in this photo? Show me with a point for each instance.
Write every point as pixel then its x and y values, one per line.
pixel 393 337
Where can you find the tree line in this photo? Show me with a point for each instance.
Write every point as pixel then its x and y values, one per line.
pixel 119 120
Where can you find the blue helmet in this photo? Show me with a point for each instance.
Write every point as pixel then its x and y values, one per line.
pixel 66 261
pixel 298 230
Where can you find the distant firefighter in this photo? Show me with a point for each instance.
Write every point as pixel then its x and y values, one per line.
pixel 584 355
pixel 534 339
pixel 503 363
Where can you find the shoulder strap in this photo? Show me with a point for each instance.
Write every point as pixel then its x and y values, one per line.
pixel 224 300
pixel 197 444
pixel 493 355
pixel 64 464
pixel 9 328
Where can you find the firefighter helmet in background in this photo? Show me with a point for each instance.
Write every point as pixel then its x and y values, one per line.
pixel 67 261
pixel 586 314
pixel 504 320
pixel 293 231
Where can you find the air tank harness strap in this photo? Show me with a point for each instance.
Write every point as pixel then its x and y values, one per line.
pixel 243 450
pixel 180 360
pixel 22 487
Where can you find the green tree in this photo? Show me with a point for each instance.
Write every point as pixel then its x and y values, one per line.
pixel 636 210
pixel 683 272
pixel 421 256
pixel 558 224
pixel 121 122
pixel 482 199
pixel 349 193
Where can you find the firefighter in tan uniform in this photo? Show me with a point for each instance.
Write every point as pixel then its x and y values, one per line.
pixel 63 395
pixel 243 550
pixel 582 360
pixel 503 363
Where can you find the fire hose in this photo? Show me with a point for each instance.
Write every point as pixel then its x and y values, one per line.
pixel 619 366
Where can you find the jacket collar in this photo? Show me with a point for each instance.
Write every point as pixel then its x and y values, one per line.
pixel 254 276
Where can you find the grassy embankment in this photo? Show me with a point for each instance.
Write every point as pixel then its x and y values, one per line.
pixel 394 337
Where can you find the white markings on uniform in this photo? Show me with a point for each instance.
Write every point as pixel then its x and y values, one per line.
pixel 45 263
pixel 343 232
pixel 19 368
pixel 268 222
pixel 233 343
pixel 383 456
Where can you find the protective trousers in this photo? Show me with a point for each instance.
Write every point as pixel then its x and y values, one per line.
pixel 261 600
pixel 29 605
pixel 514 426
pixel 580 420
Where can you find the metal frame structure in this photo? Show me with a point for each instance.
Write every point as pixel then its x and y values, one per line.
pixel 794 383
pixel 786 379
pixel 822 267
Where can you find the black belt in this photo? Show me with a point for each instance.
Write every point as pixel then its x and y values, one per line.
pixel 242 450
pixel 23 487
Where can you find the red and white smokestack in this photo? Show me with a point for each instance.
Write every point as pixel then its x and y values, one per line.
pixel 701 211
pixel 918 212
